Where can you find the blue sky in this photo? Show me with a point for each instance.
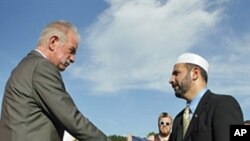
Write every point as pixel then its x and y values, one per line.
pixel 128 49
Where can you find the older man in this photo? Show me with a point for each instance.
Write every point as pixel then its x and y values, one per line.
pixel 36 105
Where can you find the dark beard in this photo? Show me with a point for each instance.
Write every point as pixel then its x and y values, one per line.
pixel 184 86
pixel 179 94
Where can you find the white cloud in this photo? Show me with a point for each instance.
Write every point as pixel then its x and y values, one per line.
pixel 230 68
pixel 134 43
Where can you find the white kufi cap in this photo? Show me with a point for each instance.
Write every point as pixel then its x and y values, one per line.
pixel 193 59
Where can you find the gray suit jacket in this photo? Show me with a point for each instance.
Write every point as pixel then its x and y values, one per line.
pixel 211 120
pixel 37 107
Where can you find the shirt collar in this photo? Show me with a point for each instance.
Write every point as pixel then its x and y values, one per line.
pixel 41 53
pixel 194 103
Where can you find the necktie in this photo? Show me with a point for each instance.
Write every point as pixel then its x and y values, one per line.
pixel 186 119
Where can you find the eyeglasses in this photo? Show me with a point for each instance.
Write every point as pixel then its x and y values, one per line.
pixel 164 123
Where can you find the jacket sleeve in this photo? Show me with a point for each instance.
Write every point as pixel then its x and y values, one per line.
pixel 53 98
pixel 227 112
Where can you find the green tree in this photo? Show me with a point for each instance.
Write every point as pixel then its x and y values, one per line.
pixel 151 133
pixel 118 138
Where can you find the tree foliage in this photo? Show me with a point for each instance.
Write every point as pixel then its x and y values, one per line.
pixel 151 133
pixel 118 138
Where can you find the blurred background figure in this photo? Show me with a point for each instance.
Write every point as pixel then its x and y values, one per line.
pixel 247 122
pixel 164 127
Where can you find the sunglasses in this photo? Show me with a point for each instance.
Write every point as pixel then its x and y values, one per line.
pixel 164 123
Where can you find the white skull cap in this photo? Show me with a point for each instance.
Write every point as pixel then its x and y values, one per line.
pixel 193 59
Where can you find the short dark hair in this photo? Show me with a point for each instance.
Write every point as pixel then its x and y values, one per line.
pixel 204 75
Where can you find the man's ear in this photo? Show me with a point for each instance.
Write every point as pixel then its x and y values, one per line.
pixel 195 73
pixel 53 42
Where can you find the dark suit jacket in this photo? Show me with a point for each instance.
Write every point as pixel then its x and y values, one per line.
pixel 37 107
pixel 211 120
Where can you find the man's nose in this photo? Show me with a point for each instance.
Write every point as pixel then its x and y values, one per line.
pixel 171 80
pixel 72 58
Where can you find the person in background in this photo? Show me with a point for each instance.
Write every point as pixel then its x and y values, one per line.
pixel 164 126
pixel 247 122
pixel 36 105
pixel 207 116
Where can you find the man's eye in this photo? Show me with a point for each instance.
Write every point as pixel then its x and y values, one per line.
pixel 72 51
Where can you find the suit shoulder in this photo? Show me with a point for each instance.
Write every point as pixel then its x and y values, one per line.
pixel 34 63
pixel 31 60
pixel 38 60
pixel 222 97
pixel 223 100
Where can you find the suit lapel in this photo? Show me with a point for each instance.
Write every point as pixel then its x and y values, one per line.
pixel 196 116
pixel 177 128
pixel 180 128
